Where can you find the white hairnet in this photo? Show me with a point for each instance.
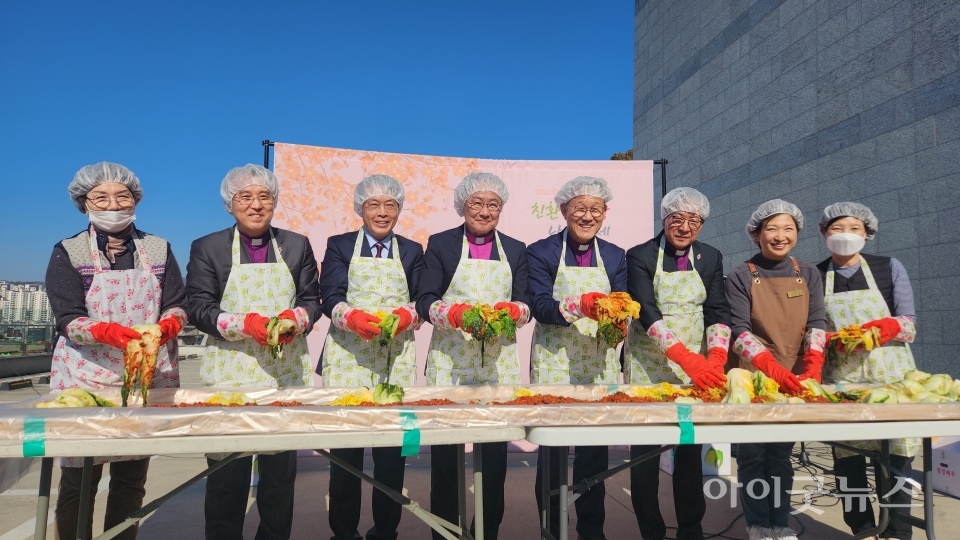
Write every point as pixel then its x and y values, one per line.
pixel 584 185
pixel 769 209
pixel 849 209
pixel 475 183
pixel 104 172
pixel 377 185
pixel 684 199
pixel 248 175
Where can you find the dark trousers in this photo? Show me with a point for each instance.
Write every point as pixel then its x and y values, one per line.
pixel 587 461
pixel 689 502
pixel 225 503
pixel 125 497
pixel 344 515
pixel 854 470
pixel 761 469
pixel 443 486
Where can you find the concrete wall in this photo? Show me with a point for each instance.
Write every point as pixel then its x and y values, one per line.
pixel 815 101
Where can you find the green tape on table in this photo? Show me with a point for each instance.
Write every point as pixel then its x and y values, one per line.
pixel 685 419
pixel 34 437
pixel 411 435
pixel 613 388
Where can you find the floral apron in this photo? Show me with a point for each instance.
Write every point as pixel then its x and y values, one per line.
pixel 268 289
pixel 883 365
pixel 126 297
pixel 454 356
pixel 568 354
pixel 348 359
pixel 680 297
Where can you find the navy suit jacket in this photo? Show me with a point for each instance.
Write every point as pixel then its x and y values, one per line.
pixel 544 258
pixel 336 264
pixel 443 256
pixel 209 269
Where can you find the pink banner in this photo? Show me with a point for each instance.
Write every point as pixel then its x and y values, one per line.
pixel 316 199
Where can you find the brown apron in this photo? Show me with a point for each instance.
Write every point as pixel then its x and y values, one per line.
pixel 778 316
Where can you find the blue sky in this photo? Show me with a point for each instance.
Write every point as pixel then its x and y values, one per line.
pixel 181 92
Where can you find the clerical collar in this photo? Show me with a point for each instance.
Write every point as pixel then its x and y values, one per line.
pixel 478 240
pixel 255 242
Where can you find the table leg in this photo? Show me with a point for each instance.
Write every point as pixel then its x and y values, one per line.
pixel 462 491
pixel 545 496
pixel 85 503
pixel 564 480
pixel 43 501
pixel 478 490
pixel 928 488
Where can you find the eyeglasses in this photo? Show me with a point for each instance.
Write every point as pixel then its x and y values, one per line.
pixel 677 221
pixel 477 206
pixel 246 199
pixel 389 207
pixel 123 200
pixel 581 211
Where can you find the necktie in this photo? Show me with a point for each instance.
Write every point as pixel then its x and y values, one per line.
pixel 379 246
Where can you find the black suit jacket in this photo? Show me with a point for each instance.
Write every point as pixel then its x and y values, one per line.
pixel 443 256
pixel 336 264
pixel 209 269
pixel 642 262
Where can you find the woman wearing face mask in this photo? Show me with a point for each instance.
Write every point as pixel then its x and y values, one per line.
pixel 777 317
pixel 101 282
pixel 874 292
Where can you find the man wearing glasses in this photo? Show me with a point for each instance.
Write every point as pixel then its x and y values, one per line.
pixel 365 272
pixel 682 336
pixel 237 279
pixel 569 272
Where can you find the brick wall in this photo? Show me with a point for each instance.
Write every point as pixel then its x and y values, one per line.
pixel 814 102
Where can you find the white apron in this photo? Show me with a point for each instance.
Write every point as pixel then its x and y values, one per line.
pixel 882 365
pixel 126 297
pixel 267 289
pixel 680 296
pixel 454 356
pixel 568 354
pixel 348 359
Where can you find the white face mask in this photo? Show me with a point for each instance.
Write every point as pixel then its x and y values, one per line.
pixel 845 244
pixel 111 221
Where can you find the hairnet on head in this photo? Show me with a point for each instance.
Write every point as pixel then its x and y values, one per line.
pixel 849 209
pixel 248 175
pixel 104 172
pixel 584 185
pixel 769 209
pixel 377 185
pixel 684 199
pixel 475 183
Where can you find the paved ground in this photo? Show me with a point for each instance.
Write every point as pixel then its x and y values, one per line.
pixel 182 517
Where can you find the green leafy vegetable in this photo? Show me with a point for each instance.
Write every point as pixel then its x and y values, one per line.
pixel 385 394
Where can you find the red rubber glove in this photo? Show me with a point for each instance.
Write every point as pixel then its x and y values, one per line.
pixel 588 304
pixel 113 334
pixel 696 366
pixel 889 328
pixel 169 328
pixel 812 365
pixel 767 364
pixel 255 326
pixel 455 314
pixel 511 307
pixel 363 323
pixel 405 319
pixel 289 315
pixel 717 358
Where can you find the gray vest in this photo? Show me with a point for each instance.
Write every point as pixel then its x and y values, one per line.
pixel 78 249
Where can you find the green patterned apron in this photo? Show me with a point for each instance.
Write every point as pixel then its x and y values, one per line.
pixel 883 365
pixel 348 359
pixel 568 354
pixel 454 356
pixel 268 289
pixel 680 296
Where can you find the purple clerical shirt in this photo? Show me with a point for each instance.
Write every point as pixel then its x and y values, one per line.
pixel 256 247
pixel 480 246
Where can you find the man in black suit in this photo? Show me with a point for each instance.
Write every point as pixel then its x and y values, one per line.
pixel 237 279
pixel 364 272
pixel 683 315
pixel 472 264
